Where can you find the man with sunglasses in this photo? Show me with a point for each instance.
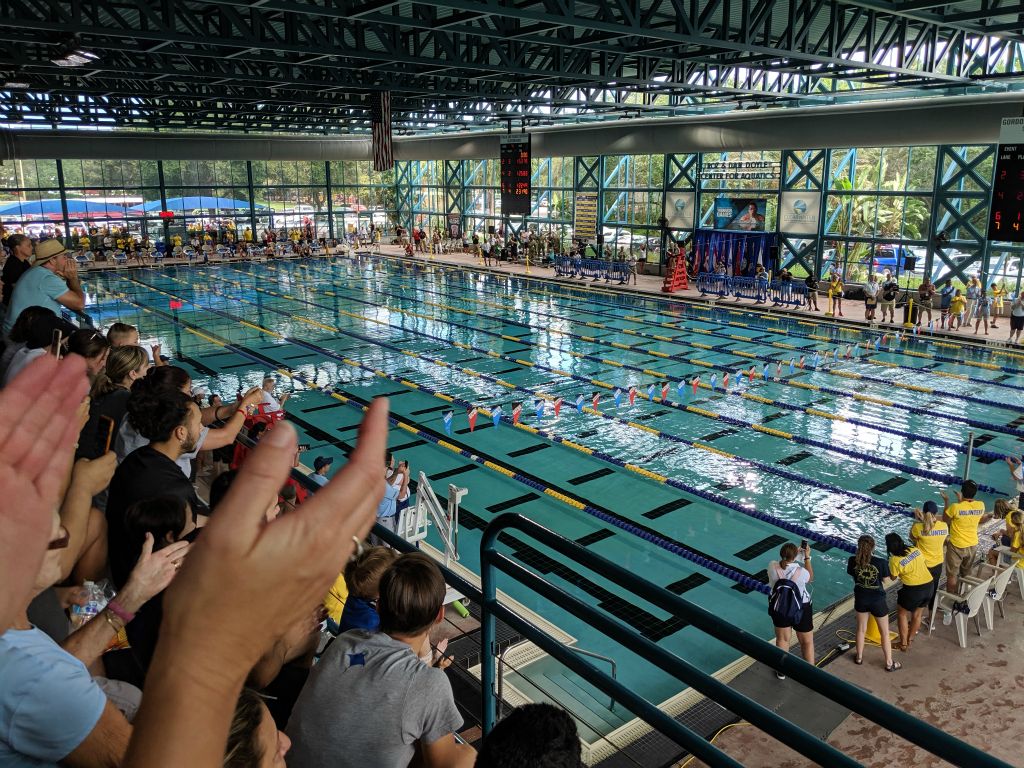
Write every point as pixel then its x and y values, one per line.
pixel 51 709
pixel 52 283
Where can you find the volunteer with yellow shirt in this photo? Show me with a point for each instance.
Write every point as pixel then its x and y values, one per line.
pixel 907 564
pixel 963 519
pixel 929 534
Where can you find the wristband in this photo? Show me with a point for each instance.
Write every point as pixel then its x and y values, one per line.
pixel 115 608
pixel 242 411
pixel 112 621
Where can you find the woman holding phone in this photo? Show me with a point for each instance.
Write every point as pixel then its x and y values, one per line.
pixel 109 394
pixel 800 573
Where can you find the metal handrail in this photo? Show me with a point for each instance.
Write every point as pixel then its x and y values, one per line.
pixel 849 696
pixel 609 659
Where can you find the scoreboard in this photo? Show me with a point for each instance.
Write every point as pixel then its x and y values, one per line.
pixel 516 169
pixel 1006 215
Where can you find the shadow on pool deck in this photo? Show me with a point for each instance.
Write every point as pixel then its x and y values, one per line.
pixel 972 693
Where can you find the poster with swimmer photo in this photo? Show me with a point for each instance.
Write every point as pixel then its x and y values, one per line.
pixel 740 214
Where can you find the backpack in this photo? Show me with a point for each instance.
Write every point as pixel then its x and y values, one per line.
pixel 784 603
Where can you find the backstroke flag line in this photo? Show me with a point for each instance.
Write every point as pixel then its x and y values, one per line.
pixel 380 124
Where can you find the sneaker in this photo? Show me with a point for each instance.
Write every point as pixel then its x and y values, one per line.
pixel 780 675
pixel 947 618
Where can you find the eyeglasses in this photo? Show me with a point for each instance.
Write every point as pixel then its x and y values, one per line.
pixel 61 542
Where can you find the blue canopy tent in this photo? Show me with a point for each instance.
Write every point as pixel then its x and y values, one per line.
pixel 51 208
pixel 197 202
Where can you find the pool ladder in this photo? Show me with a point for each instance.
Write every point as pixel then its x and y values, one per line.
pixel 573 648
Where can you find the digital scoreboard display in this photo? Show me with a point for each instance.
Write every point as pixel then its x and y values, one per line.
pixel 516 169
pixel 1006 215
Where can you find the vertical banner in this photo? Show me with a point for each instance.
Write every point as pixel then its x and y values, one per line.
pixel 585 216
pixel 798 212
pixel 516 170
pixel 380 127
pixel 1006 214
pixel 455 225
pixel 679 209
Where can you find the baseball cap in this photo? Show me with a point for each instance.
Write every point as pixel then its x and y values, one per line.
pixel 931 507
pixel 320 462
pixel 48 249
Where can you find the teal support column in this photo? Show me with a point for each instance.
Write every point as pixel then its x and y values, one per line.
pixel 403 194
pixel 963 190
pixel 588 176
pixel 802 192
pixel 330 199
pixel 681 201
pixel 455 190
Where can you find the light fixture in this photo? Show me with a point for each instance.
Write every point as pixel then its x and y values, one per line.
pixel 74 57
pixel 16 84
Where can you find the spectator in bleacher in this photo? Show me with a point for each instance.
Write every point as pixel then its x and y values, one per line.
pixel 51 708
pixel 963 518
pixel 93 346
pixel 18 338
pixel 254 741
pixel 109 394
pixel 171 422
pixel 321 466
pixel 123 335
pixel 387 510
pixel 52 283
pixel 402 702
pixel 18 263
pixel 271 401
pixel 400 479
pixel 362 582
pixel 40 340
pixel 533 736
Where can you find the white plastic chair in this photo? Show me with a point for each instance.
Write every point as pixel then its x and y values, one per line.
pixel 120 257
pixel 1000 581
pixel 975 600
pixel 84 259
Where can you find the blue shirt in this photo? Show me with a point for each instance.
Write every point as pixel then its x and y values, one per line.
pixel 39 287
pixel 359 614
pixel 319 479
pixel 388 506
pixel 946 295
pixel 49 703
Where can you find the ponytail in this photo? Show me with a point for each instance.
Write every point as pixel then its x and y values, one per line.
pixel 121 361
pixel 927 522
pixel 865 549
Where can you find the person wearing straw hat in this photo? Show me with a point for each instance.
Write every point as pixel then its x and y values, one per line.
pixel 52 282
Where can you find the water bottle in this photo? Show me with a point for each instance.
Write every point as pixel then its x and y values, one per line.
pixel 97 597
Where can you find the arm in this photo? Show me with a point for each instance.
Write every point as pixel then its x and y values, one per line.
pixel 106 744
pixel 149 577
pixel 446 752
pixel 88 478
pixel 808 566
pixel 74 297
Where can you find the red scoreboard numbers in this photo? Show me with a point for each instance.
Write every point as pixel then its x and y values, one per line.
pixel 1006 216
pixel 516 170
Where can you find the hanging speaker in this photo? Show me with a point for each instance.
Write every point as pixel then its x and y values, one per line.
pixel 909 263
pixel 600 239
pixel 490 229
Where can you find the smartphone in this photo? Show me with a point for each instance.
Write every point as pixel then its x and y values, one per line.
pixel 803 544
pixel 55 343
pixel 105 432
pixel 303 447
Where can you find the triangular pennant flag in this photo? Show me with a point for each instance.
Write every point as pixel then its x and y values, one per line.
pixel 778 370
pixel 596 399
pixel 650 391
pixel 764 372
pixel 817 359
pixel 539 405
pixel 632 395
pixel 472 419
pixel 447 421
pixel 496 415
pixel 931 326
pixel 695 383
pixel 580 399
pixel 725 382
pixel 714 380
pixel 680 387
pixel 664 391
pixel 517 411
pixel 792 365
pixel 617 396
pixel 802 358
pixel 558 406
pixel 878 342
pixel 849 351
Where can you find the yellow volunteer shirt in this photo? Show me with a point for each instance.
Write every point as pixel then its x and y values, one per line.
pixel 335 600
pixel 957 305
pixel 910 569
pixel 931 543
pixel 963 527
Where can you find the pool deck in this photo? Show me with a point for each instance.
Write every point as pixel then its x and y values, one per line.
pixel 973 693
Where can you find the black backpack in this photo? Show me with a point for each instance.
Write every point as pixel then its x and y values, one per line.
pixel 784 603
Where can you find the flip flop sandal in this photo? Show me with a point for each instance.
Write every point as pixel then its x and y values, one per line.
pixel 894 666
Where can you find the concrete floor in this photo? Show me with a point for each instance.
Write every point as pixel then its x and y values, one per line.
pixel 976 694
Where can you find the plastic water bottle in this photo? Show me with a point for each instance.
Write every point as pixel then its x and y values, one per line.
pixel 98 595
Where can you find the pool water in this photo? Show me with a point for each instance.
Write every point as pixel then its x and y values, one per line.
pixel 716 479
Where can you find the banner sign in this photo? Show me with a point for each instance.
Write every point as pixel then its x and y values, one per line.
pixel 455 225
pixel 585 218
pixel 679 209
pixel 516 169
pixel 742 214
pixel 739 170
pixel 798 212
pixel 1006 214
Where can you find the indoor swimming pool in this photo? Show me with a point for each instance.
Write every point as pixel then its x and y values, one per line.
pixel 690 442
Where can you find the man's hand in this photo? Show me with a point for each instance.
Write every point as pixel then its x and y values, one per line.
pixel 155 349
pixel 253 397
pixel 37 438
pixel 246 581
pixel 152 573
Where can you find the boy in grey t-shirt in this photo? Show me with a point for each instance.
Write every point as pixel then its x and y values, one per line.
pixel 371 699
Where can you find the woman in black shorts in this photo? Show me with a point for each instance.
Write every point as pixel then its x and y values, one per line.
pixel 868 573
pixel 907 564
